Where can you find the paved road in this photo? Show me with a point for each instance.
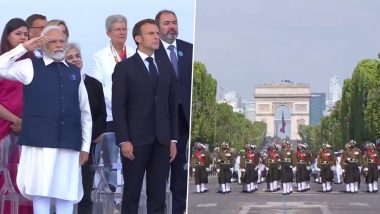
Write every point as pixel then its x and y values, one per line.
pixel 313 201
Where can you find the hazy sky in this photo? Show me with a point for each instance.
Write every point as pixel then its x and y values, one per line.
pixel 86 19
pixel 248 42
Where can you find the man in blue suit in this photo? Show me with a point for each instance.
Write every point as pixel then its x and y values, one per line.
pixel 180 54
pixel 145 110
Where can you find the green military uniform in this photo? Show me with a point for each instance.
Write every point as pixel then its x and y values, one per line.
pixel 371 162
pixel 224 163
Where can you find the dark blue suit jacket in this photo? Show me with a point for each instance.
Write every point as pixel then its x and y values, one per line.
pixel 185 67
pixel 142 114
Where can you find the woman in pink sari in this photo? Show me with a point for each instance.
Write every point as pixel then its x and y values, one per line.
pixel 15 32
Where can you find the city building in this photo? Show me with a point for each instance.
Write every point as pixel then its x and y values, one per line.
pixel 317 107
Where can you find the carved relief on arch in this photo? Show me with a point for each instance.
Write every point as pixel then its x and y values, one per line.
pixel 275 105
pixel 300 122
pixel 263 108
pixel 301 107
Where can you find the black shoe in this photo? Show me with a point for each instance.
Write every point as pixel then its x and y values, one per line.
pixel 112 187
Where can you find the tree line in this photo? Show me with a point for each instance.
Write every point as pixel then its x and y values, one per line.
pixel 214 123
pixel 356 116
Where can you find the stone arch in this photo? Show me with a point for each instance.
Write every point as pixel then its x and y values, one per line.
pixel 294 96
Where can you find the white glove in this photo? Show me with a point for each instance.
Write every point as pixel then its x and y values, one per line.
pixel 279 167
pixel 294 169
pixel 365 169
pixel 291 167
pixel 193 169
pixel 232 169
pixel 332 168
pixel 242 170
pixel 378 167
pixel 267 169
pixel 360 168
pixel 217 170
pixel 318 169
pixel 343 171
pixel 308 168
pixel 256 168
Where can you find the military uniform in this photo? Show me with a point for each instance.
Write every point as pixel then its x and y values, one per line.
pixel 326 162
pixel 371 164
pixel 350 162
pixel 249 165
pixel 199 161
pixel 286 156
pixel 302 161
pixel 272 165
pixel 224 163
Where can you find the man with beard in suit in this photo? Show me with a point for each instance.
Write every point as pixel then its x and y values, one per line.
pixel 180 54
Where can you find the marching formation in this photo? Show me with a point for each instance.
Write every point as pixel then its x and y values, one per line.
pixel 283 167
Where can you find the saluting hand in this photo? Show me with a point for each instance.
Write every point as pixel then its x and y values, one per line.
pixel 35 43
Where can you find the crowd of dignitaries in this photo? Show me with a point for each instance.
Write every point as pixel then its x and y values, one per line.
pixel 55 118
pixel 284 168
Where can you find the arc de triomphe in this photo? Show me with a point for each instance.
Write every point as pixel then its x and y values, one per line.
pixel 294 96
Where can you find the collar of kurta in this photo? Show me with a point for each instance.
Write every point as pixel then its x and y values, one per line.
pixel 48 61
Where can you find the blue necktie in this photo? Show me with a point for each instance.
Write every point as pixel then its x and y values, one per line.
pixel 173 59
pixel 152 71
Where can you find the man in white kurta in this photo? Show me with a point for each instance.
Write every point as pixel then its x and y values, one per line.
pixel 46 173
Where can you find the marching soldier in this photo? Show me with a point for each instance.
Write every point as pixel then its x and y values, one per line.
pixel 350 162
pixel 286 156
pixel 248 165
pixel 199 161
pixel 371 167
pixel 325 164
pixel 224 158
pixel 302 161
pixel 272 165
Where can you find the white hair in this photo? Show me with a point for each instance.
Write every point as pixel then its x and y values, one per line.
pixel 47 29
pixel 72 45
pixel 58 56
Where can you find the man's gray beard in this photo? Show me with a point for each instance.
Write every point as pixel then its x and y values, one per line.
pixel 58 56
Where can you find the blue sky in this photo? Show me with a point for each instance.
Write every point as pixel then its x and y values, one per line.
pixel 248 42
pixel 86 19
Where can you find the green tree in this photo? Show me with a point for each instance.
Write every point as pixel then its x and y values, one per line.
pixel 203 105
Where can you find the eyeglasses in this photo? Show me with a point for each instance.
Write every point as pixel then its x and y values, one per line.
pixel 41 27
pixel 71 57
